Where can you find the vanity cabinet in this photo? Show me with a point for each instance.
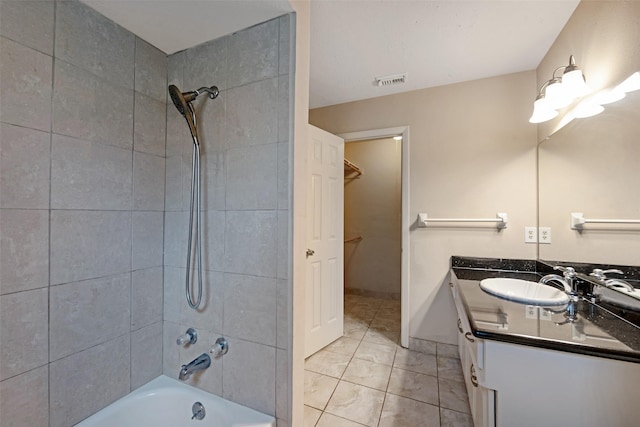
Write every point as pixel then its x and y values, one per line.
pixel 471 351
pixel 526 386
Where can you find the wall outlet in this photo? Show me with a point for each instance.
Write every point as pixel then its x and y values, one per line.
pixel 546 314
pixel 545 235
pixel 530 234
pixel 531 312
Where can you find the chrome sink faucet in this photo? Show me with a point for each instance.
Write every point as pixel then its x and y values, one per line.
pixel 601 276
pixel 198 364
pixel 566 280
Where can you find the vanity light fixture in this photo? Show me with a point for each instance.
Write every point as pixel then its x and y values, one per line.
pixel 558 92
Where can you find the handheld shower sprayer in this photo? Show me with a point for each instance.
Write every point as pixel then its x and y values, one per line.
pixel 182 101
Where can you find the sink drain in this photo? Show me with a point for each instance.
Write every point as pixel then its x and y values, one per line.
pixel 198 411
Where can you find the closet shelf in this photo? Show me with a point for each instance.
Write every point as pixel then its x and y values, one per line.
pixel 350 168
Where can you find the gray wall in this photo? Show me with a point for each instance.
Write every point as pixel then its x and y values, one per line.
pixel 82 156
pixel 245 141
pixel 83 212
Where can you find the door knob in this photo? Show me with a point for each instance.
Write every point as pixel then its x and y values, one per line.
pixel 310 252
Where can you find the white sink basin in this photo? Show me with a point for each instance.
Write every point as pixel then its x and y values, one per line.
pixel 524 291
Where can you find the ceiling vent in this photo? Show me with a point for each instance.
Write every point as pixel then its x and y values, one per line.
pixel 393 79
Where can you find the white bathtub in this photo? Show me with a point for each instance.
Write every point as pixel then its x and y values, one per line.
pixel 165 402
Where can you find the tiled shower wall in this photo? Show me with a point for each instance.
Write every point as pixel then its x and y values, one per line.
pixel 245 142
pixel 82 158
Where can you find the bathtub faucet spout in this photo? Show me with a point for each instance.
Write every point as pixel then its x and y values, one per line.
pixel 198 364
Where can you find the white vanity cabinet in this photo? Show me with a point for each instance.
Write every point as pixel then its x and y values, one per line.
pixel 471 350
pixel 513 385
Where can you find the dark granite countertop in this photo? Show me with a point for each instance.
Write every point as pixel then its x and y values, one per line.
pixel 595 332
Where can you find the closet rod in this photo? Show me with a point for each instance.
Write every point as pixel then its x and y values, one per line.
pixel 578 220
pixel 354 239
pixel 352 167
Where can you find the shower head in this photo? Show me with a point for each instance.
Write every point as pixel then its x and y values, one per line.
pixel 181 99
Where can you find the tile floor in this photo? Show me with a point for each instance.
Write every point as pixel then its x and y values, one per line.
pixel 366 379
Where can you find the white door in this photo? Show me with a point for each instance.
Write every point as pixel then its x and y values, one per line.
pixel 324 291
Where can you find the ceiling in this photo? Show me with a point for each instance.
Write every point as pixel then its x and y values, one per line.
pixel 353 41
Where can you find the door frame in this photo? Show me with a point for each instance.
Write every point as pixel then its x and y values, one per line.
pixel 406 221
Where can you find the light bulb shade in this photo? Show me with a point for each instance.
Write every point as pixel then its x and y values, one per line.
pixel 587 109
pixel 556 95
pixel 574 84
pixel 609 96
pixel 630 84
pixel 542 111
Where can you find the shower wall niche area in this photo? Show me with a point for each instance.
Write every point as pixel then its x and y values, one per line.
pixel 94 188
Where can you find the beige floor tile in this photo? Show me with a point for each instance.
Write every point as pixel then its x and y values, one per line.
pixel 327 363
pixel 402 412
pixel 389 312
pixel 355 331
pixel 451 418
pixel 343 345
pixel 311 416
pixel 329 420
pixel 370 374
pixel 373 352
pixel 356 403
pixel 453 395
pixel 318 389
pixel 416 362
pixel 363 315
pixel 414 385
pixel 448 350
pixel 450 369
pixel 381 337
pixel 385 324
pixel 423 346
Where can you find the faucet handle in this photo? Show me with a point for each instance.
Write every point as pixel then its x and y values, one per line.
pixel 568 272
pixel 189 337
pixel 602 274
pixel 220 348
